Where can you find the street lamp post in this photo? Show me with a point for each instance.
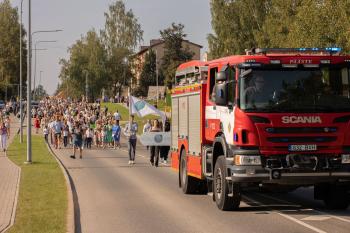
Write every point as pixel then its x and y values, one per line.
pixel 157 78
pixel 36 43
pixel 20 78
pixel 29 77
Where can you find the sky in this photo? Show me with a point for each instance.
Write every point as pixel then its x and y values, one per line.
pixel 76 17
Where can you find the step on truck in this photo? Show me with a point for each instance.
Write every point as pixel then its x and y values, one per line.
pixel 277 119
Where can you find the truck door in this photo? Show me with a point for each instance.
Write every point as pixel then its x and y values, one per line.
pixel 225 113
pixel 212 124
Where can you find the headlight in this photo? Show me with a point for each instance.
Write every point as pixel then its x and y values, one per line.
pixel 247 160
pixel 345 158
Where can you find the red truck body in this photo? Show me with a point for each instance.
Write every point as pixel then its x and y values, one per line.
pixel 228 132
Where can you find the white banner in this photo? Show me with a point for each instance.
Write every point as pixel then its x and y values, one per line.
pixel 156 139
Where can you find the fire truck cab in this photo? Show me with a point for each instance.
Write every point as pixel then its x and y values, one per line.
pixel 273 118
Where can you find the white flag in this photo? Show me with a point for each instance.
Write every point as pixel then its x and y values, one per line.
pixel 142 108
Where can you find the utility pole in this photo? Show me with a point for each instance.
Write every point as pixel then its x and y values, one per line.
pixel 29 88
pixel 157 77
pixel 20 78
pixel 86 87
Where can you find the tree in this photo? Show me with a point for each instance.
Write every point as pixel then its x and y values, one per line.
pixel 40 92
pixel 148 74
pixel 236 25
pixel 120 36
pixel 87 61
pixel 174 53
pixel 10 49
pixel 277 27
pixel 244 24
pixel 321 24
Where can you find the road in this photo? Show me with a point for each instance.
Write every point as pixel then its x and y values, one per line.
pixel 113 196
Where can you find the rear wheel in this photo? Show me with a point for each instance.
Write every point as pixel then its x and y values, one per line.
pixel 187 183
pixel 223 200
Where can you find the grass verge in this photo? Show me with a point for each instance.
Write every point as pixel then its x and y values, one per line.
pixel 42 204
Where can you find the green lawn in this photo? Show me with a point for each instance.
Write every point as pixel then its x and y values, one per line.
pixel 161 104
pixel 124 112
pixel 42 204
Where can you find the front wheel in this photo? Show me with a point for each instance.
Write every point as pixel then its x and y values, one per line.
pixel 223 199
pixel 187 183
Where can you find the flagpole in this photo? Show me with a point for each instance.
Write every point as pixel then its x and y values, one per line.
pixel 129 93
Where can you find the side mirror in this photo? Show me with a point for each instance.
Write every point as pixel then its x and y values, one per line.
pixel 221 94
pixel 221 76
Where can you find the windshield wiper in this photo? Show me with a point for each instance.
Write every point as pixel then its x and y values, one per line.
pixel 316 108
pixel 267 109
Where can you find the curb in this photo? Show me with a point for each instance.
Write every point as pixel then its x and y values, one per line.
pixel 70 210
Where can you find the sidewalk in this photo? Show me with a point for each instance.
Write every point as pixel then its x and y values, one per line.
pixel 9 181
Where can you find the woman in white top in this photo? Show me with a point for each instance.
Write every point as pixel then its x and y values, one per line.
pixel 4 135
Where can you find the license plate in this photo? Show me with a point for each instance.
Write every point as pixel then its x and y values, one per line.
pixel 302 147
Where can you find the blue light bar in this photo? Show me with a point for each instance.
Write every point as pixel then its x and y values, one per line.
pixel 334 49
pixel 297 50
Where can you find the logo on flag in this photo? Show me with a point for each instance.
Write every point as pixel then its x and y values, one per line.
pixel 139 105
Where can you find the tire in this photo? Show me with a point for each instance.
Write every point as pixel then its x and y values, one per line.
pixel 221 188
pixel 188 184
pixel 336 197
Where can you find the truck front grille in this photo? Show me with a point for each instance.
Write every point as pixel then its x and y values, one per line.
pixel 305 162
pixel 301 130
pixel 317 139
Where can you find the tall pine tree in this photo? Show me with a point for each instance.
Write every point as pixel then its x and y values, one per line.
pixel 174 53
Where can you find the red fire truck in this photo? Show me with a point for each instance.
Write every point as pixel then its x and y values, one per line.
pixel 277 119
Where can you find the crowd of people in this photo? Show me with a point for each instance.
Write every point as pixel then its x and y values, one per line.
pixel 79 125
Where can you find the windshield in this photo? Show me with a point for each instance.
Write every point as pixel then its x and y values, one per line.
pixel 324 89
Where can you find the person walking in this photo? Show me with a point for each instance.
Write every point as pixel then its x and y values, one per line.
pixel 164 150
pixel 109 134
pixel 116 134
pixel 146 128
pixel 8 125
pixel 37 124
pixel 89 136
pixel 77 141
pixel 46 134
pixel 104 137
pixel 130 132
pixel 117 116
pixel 57 127
pixel 154 150
pixel 4 131
pixel 65 135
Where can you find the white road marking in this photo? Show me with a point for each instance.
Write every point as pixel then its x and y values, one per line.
pixel 317 211
pixel 288 217
pixel 316 218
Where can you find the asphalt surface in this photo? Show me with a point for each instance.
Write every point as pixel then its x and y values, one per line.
pixel 113 196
